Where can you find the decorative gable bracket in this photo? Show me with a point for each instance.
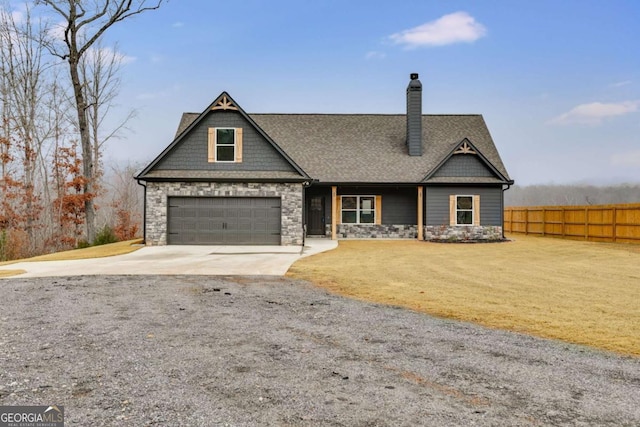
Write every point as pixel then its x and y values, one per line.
pixel 465 148
pixel 224 104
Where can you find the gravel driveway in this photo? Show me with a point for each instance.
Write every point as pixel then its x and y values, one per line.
pixel 207 351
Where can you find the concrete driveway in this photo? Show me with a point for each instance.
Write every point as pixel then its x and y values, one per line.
pixel 196 260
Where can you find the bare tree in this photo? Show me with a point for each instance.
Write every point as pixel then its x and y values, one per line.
pixel 100 68
pixel 572 194
pixel 85 22
pixel 24 87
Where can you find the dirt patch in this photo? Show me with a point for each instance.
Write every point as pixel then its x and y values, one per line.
pixel 192 351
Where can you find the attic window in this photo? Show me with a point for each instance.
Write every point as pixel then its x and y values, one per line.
pixel 225 145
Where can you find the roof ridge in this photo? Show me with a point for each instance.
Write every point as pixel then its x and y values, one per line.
pixel 360 114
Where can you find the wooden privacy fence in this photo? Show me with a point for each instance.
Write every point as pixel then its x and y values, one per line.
pixel 600 223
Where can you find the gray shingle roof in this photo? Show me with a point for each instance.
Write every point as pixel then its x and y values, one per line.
pixel 371 147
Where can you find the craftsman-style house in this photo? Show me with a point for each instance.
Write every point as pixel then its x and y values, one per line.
pixel 230 177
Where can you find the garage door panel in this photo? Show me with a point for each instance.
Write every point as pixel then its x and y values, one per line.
pixel 224 220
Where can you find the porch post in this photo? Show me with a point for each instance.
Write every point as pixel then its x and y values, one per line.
pixel 420 214
pixel 334 211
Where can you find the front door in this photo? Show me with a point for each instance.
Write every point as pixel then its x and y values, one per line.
pixel 315 217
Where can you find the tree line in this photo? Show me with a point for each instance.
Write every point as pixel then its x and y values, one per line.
pixel 571 195
pixel 58 83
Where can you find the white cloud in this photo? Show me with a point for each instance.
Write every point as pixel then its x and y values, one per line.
pixel 107 54
pixel 458 27
pixel 595 112
pixel 56 31
pixel 620 84
pixel 628 159
pixel 375 55
pixel 178 24
pixel 17 17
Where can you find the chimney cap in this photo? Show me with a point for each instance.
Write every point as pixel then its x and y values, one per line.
pixel 414 83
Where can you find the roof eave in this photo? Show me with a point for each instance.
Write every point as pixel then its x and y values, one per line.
pixel 192 179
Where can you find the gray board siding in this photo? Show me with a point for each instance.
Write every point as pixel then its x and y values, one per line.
pixel 466 165
pixel 437 203
pixel 191 152
pixel 399 205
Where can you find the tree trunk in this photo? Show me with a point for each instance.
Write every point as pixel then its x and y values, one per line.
pixel 87 149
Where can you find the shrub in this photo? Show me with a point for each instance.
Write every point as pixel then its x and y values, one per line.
pixel 13 244
pixel 82 244
pixel 104 236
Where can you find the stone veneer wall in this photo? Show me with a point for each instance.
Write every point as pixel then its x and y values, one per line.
pixel 159 192
pixel 464 233
pixel 373 231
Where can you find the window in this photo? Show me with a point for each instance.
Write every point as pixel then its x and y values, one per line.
pixel 225 145
pixel 359 210
pixel 464 210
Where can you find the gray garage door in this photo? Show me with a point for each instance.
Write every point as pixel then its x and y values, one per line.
pixel 224 221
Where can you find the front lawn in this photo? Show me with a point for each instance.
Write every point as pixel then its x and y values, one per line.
pixel 111 249
pixel 580 292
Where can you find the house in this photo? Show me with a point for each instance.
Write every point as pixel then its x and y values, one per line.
pixel 230 177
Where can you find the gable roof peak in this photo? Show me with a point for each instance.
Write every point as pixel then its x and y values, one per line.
pixel 224 102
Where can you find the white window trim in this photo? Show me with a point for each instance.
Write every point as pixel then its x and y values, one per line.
pixel 357 209
pixel 215 145
pixel 465 210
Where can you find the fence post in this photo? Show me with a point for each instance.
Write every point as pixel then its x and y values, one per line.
pixel 563 223
pixel 544 219
pixel 586 223
pixel 614 222
pixel 526 221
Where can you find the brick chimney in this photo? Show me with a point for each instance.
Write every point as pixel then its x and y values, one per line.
pixel 414 116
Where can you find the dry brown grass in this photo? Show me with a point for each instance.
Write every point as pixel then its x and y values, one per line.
pixel 119 248
pixel 9 273
pixel 580 292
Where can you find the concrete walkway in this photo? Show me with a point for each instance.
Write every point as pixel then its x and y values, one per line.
pixel 196 260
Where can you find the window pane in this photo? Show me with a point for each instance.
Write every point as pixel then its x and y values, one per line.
pixel 367 204
pixel 349 217
pixel 225 136
pixel 367 217
pixel 225 153
pixel 465 217
pixel 349 203
pixel 465 202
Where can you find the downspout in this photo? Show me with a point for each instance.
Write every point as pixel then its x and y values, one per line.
pixel 305 185
pixel 502 209
pixel 144 213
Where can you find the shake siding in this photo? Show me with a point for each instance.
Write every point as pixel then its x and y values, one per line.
pixel 464 165
pixel 437 201
pixel 192 154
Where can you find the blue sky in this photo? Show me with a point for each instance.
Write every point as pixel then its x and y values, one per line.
pixel 558 82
